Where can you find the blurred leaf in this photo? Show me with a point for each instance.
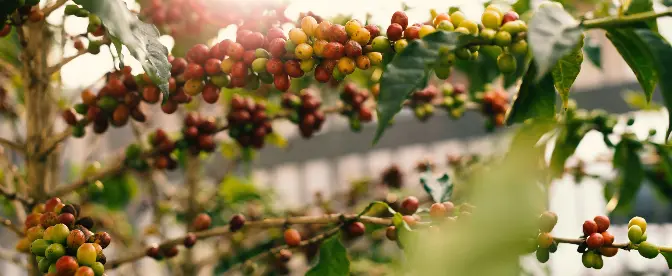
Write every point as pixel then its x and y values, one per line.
pixel 630 173
pixel 404 232
pixel 668 258
pixel 566 71
pixel 565 146
pixel 521 65
pixel 141 39
pixel 333 259
pixel 10 49
pixel 376 207
pixel 635 52
pixel 661 173
pixel 234 190
pixel 640 6
pixel 553 33
pixel 409 71
pixel 229 149
pixel 534 100
pixel 440 189
pixel 593 50
pixel 637 100
pixel 480 72
pixel 118 46
pixel 117 192
pixel 277 140
pixel 522 6
pixel 661 52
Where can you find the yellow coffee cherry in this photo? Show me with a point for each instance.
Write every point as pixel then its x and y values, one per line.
pixel 363 62
pixel 491 19
pixel 303 51
pixel 496 9
pixel 426 29
pixel 352 26
pixel 445 25
pixel 400 45
pixel 226 65
pixel 309 25
pixel 322 31
pixel 307 65
pixel 318 47
pixel 376 58
pixel 362 36
pixel 457 18
pixel 298 36
pixel 346 65
pixel 469 25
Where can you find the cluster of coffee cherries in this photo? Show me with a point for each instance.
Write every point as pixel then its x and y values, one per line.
pixel 28 10
pixel 164 146
pixel 422 102
pixel 113 105
pixel 354 105
pixel 61 243
pixel 454 99
pixel 95 28
pixel 444 212
pixel 248 122
pixel 198 133
pixel 304 111
pixel 544 244
pixel 494 104
pixel 637 236
pixel 200 223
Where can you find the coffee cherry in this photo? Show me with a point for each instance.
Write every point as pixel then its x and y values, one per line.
pixel 189 240
pixel 48 219
pixel 34 233
pixel 602 223
pixel 292 237
pixel 194 71
pixel 170 251
pixel 201 222
pixel 595 240
pixel 588 259
pixel 43 265
pixel 237 222
pixel 589 227
pixel 543 255
pixel 608 251
pixel 648 250
pixel 410 220
pixel 297 36
pixel 544 240
pixel 51 204
pixel 346 65
pixel 151 94
pixel 425 30
pixel 66 265
pixel 457 17
pixel 84 271
pixel 281 82
pixel 54 251
pixel 356 229
pixel 506 63
pixel 75 239
pixel 67 219
pixel 103 239
pixel 153 252
pixel 491 19
pixel 639 221
pixel 608 238
pixel 412 32
pixel 400 18
pixel 334 50
pixel 391 233
pixel 98 269
pixel 293 69
pixel 199 53
pixel 635 234
pixel 86 254
pixel 503 39
pixel 437 211
pixel 409 205
pixel 235 51
pixel 38 247
pixel 363 62
pixel 510 16
pixel 394 32
pixel 547 221
pixel 303 51
pixel 362 36
pixel 6 29
pixel 309 25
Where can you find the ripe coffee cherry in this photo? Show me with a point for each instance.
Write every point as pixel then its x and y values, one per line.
pixel 595 240
pixel 338 34
pixel 194 71
pixel 635 234
pixel 602 223
pixel 235 51
pixel 50 205
pixel 409 205
pixel 170 252
pixel 457 17
pixel 303 51
pixel 292 237
pixel 356 229
pixel 639 221
pixel 362 36
pixel 75 239
pixel 437 211
pixel 334 50
pixel 353 49
pixel 608 238
pixel 277 47
pixel 48 219
pixel 237 222
pixel 293 69
pixel 189 240
pixel 84 271
pixel 213 66
pixel 6 29
pixel 274 66
pixel 281 82
pixel 86 254
pixel 67 219
pixel 648 250
pixel 410 220
pixel 391 233
pixel 151 94
pixel 491 19
pixel 544 240
pixel 608 251
pixel 201 222
pixel 284 255
pixel 510 16
pixel 153 252
pixel 66 265
pixel 103 239
pixel 547 221
pixel 412 32
pixel 400 18
pixel 589 227
pixel 346 65
pixel 199 53
pixel 34 233
pixel 395 32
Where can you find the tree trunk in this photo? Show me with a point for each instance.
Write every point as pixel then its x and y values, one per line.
pixel 192 180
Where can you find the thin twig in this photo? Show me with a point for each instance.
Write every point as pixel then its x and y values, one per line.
pixel 11 226
pixel 64 61
pixel 118 167
pixel 617 21
pixel 49 9
pixel 266 223
pixel 13 145
pixel 14 196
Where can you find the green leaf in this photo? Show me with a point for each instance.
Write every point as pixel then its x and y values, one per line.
pixel 409 70
pixel 333 259
pixel 534 99
pixel 522 6
pixel 118 46
pixel 630 172
pixel 235 189
pixel 661 52
pixel 118 191
pixel 376 207
pixel 566 71
pixel 480 72
pixel 404 232
pixel 637 100
pixel 640 6
pixel 565 146
pixel 553 33
pixel 660 174
pixel 10 49
pixel 141 39
pixel 593 50
pixel 668 258
pixel 636 53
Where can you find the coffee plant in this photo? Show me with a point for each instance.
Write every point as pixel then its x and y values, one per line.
pixel 478 218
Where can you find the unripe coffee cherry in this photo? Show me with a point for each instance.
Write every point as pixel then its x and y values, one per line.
pixel 201 222
pixel 292 237
pixel 635 234
pixel 544 240
pixel 86 254
pixel 602 223
pixel 588 259
pixel 543 255
pixel 589 227
pixel 639 221
pixel 547 221
pixel 457 17
pixel 648 250
pixel 491 19
pixel 237 222
pixel 410 205
pixel 595 240
pixel 506 63
pixel 356 229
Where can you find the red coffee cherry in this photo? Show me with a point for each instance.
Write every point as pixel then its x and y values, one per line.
pixel 201 222
pixel 589 227
pixel 400 18
pixel 50 205
pixel 284 255
pixel 608 238
pixel 395 32
pixel 595 240
pixel 153 252
pixel 199 53
pixel 178 66
pixel 410 220
pixel 450 207
pixel 356 229
pixel 277 47
pixel 170 252
pixel 292 237
pixel 334 51
pixel 608 251
pixel 412 32
pixel 213 66
pixel 409 205
pixel 510 16
pixel 281 82
pixel 189 240
pixel 275 66
pixel 235 51
pixel 602 223
pixel 237 222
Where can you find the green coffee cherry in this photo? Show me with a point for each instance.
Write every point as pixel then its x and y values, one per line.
pixel 598 263
pixel 462 30
pixel 259 65
pixel 78 131
pixel 519 48
pixel 380 44
pixel 506 63
pixel 442 72
pixel 98 269
pixel 445 25
pixel 43 265
pixel 220 80
pixel 463 53
pixel 488 35
pixel 38 247
pixel 503 39
pixel 261 53
pixel 635 234
pixel 400 45
pixel 543 255
pixel 588 259
pixel 648 250
pixel 71 9
pixel 54 251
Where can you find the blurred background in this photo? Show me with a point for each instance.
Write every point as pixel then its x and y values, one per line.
pixel 329 163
